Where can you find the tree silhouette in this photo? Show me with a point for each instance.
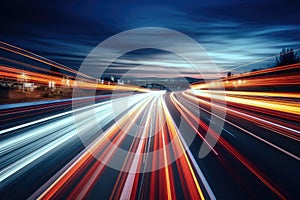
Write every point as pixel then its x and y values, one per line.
pixel 287 57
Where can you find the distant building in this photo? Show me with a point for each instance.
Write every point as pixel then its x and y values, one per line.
pixel 24 82
pixel 51 84
pixel 65 81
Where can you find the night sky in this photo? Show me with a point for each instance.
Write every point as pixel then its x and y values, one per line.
pixel 234 33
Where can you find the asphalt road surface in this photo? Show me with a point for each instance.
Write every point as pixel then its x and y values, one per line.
pixel 154 145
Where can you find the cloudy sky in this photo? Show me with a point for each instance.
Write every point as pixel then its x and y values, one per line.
pixel 233 33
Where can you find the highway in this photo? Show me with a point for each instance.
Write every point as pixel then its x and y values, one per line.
pixel 153 145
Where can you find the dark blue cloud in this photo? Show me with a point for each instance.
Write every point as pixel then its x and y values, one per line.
pixel 233 32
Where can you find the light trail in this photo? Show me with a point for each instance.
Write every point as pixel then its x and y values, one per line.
pixel 248 117
pixel 56 151
pixel 61 132
pixel 43 79
pixel 31 146
pixel 274 126
pixel 28 54
pixel 17 71
pixel 103 110
pixel 268 78
pixel 236 154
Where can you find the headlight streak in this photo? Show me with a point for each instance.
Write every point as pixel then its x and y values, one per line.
pixel 131 163
pixel 58 130
pixel 43 79
pixel 194 99
pixel 188 153
pixel 238 156
pixel 291 107
pixel 26 144
pixel 194 192
pixel 61 137
pixel 288 132
pixel 179 108
pixel 287 75
pixel 25 53
pixel 128 185
pixel 38 110
pixel 94 147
